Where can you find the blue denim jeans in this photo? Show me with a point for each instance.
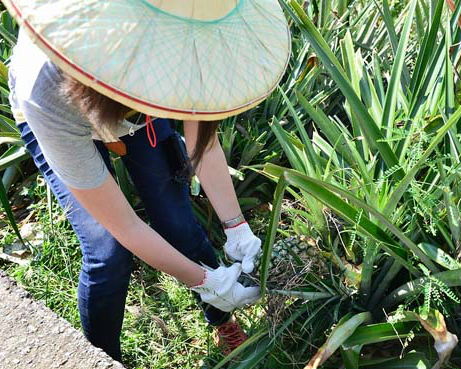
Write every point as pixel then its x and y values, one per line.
pixel 106 265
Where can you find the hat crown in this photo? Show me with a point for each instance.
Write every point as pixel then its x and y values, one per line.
pixel 201 10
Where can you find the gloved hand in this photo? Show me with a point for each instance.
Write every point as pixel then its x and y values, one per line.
pixel 242 245
pixel 221 289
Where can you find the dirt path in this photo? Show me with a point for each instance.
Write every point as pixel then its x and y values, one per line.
pixel 32 336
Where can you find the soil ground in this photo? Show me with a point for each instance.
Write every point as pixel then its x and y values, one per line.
pixel 32 336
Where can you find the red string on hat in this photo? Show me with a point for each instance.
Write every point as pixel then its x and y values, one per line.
pixel 150 128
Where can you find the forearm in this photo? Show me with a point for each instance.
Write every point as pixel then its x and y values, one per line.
pixel 217 183
pixel 150 247
pixel 214 176
pixel 108 206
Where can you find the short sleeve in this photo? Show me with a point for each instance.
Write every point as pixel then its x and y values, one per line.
pixel 63 134
pixel 68 149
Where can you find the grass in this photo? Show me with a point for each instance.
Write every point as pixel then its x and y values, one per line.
pixel 163 325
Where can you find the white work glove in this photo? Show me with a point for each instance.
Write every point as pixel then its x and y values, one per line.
pixel 242 245
pixel 221 289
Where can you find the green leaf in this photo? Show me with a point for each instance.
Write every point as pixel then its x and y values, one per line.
pixel 449 75
pixel 271 233
pixel 369 93
pixel 413 360
pixel 122 179
pixel 214 230
pixel 377 78
pixel 381 332
pixel 195 186
pixel 349 60
pixel 8 36
pixel 389 22
pixel 9 213
pixel 3 71
pixel 351 357
pixel 388 117
pixel 325 11
pixel 7 124
pixel 291 152
pixel 236 173
pixel 327 127
pixel 252 149
pixel 18 155
pixel 385 278
pixel 10 134
pixel 303 295
pixel 228 137
pixel 343 330
pixel 432 65
pixel 439 256
pixel 302 131
pixel 426 51
pixel 255 356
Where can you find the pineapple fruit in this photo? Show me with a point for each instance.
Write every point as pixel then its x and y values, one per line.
pixel 291 249
pixel 290 256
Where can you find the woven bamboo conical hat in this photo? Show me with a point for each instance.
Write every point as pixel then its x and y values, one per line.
pixel 183 59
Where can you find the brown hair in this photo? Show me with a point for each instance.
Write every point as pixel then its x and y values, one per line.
pixel 100 109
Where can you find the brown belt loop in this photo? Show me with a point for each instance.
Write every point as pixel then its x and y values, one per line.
pixel 118 147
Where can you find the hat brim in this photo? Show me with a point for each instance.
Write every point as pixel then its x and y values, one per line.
pixel 205 91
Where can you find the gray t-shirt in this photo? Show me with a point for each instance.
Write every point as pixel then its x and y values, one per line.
pixel 64 135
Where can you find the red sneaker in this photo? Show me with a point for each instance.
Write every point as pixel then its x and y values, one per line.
pixel 230 336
